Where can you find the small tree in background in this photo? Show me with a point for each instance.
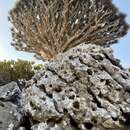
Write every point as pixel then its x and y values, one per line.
pixel 49 27
pixel 17 70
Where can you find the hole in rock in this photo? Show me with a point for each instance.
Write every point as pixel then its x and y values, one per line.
pixel 128 91
pixel 98 103
pixel 114 118
pixel 72 97
pixel 93 47
pixel 35 80
pixel 107 82
pixel 25 122
pixel 50 95
pixel 95 100
pixel 100 95
pixel 97 57
pixel 65 72
pixel 94 121
pixel 51 122
pixel 50 85
pixel 71 90
pixel 127 117
pixel 89 71
pixel 84 56
pixel 65 111
pixel 46 76
pixel 76 105
pixel 123 76
pixel 88 125
pixel 74 124
pixel 43 98
pixel 42 86
pixel 71 57
pixel 102 80
pixel 58 89
pixel 78 49
pixel 77 96
pixel 93 109
pixel 2 104
pixel 32 105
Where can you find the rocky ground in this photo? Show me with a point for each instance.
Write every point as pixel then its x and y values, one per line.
pixel 83 89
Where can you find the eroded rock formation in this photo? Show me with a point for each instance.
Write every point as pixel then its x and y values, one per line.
pixel 83 89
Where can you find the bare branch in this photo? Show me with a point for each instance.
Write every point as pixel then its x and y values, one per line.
pixel 49 27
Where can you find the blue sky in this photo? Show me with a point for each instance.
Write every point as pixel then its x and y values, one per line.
pixel 6 50
pixel 121 50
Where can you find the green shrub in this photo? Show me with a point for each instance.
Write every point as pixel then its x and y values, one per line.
pixel 17 70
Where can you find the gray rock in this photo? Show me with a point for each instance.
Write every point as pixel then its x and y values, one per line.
pixel 82 89
pixel 10 92
pixel 9 116
pixel 10 103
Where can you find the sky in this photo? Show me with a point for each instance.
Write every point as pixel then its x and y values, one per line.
pixel 121 50
pixel 6 50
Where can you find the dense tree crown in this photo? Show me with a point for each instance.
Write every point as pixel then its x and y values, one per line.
pixel 17 70
pixel 49 27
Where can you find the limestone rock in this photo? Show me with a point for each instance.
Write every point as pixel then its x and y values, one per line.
pixel 83 89
pixel 10 92
pixel 10 115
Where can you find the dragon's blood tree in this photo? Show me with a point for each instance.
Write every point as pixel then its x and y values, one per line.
pixel 49 27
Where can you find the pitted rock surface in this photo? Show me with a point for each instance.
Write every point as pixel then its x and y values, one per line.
pixel 83 89
pixel 9 116
pixel 10 92
pixel 10 106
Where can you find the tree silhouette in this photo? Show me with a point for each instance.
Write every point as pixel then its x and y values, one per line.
pixel 49 27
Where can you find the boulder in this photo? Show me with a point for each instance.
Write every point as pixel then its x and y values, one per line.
pixel 9 116
pixel 10 107
pixel 83 89
pixel 10 92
